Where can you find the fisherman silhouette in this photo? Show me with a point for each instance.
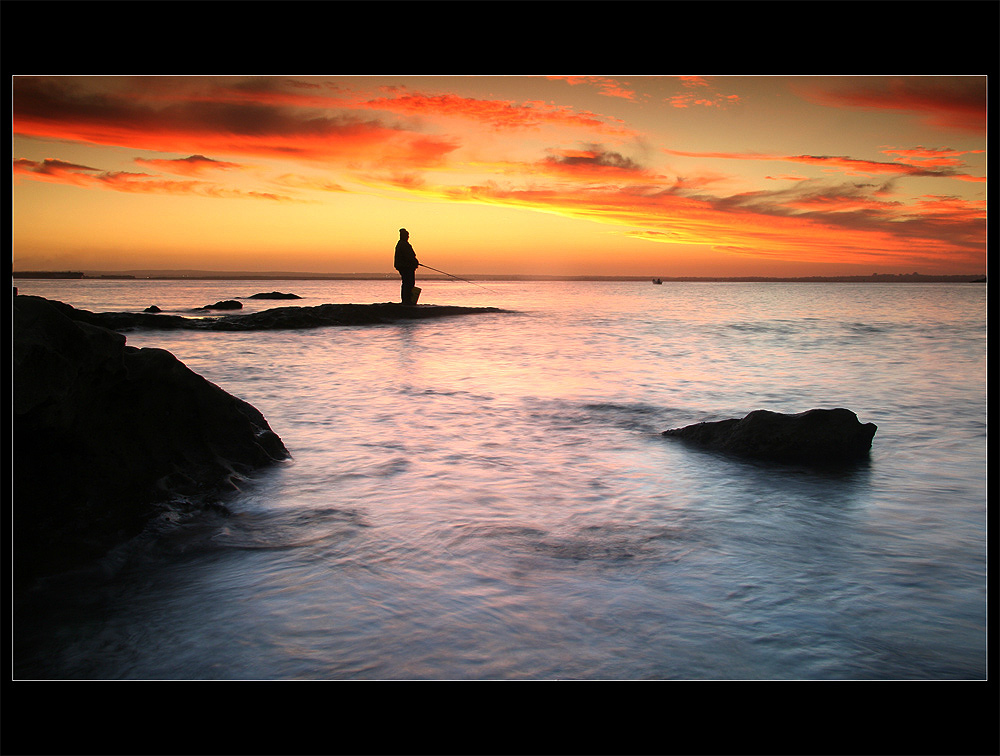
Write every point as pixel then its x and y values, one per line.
pixel 406 263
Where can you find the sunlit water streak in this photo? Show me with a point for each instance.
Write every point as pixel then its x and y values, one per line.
pixel 489 497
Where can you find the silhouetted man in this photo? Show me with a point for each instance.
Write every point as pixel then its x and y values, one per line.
pixel 406 263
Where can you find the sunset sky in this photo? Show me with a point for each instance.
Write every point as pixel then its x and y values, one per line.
pixel 562 175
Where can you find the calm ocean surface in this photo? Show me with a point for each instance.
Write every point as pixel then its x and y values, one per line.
pixel 489 496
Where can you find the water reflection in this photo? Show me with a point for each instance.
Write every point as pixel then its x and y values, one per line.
pixel 491 498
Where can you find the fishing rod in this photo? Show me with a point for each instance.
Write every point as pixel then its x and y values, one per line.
pixel 457 278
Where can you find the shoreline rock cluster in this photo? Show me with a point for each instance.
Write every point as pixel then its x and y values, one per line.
pixel 106 435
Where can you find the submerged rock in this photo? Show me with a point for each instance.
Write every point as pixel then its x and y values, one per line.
pixel 817 437
pixel 226 304
pixel 275 295
pixel 103 432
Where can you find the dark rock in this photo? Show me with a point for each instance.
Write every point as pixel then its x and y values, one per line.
pixel 105 433
pixel 275 295
pixel 226 304
pixel 152 308
pixel 818 437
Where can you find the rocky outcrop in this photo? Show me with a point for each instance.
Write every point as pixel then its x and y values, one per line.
pixel 818 437
pixel 104 433
pixel 290 317
pixel 336 315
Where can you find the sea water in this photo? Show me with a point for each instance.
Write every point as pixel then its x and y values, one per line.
pixel 490 497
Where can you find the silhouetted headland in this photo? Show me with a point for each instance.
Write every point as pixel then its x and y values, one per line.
pixel 107 437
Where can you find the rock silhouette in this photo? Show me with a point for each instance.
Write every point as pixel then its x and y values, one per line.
pixel 225 304
pixel 105 433
pixel 817 437
pixel 274 295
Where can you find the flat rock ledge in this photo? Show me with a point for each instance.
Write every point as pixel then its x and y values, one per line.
pixel 276 318
pixel 816 438
pixel 105 435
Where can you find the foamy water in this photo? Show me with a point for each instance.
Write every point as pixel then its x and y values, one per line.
pixel 489 496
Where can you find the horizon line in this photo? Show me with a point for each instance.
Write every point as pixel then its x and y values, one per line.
pixel 196 274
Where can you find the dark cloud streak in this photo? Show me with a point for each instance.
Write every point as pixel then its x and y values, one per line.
pixel 947 102
pixel 63 108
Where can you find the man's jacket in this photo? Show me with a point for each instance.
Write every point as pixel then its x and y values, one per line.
pixel 406 258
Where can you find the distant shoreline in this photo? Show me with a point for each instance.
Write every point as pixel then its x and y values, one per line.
pixel 286 276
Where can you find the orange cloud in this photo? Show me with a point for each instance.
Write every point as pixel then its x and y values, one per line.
pixel 605 86
pixel 689 100
pixel 695 97
pixel 189 166
pixel 944 157
pixel 787 177
pixel 497 114
pixel 306 182
pixel 845 223
pixel 77 175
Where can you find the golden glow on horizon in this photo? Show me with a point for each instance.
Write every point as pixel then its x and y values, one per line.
pixel 544 175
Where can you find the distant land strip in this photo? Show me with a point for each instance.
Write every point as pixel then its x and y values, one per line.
pixel 286 276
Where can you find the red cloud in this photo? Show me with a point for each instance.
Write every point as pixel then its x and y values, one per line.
pixel 58 171
pixel 185 122
pixel 851 166
pixel 947 102
pixel 261 118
